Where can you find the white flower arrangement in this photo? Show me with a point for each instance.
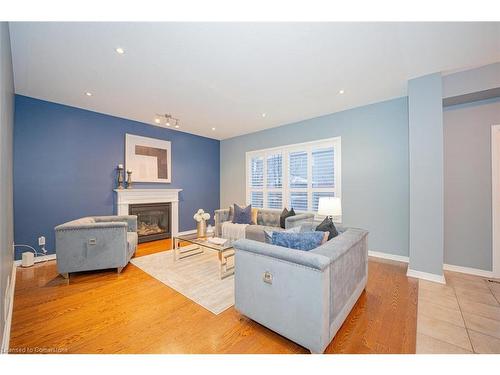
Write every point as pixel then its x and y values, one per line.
pixel 201 215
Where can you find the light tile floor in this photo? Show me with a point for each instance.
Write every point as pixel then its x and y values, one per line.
pixel 460 317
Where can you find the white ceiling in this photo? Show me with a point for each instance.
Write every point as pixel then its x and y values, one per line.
pixel 225 75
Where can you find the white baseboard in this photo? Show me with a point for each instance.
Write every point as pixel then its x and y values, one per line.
pixel 8 320
pixel 38 259
pixel 397 258
pixel 446 267
pixel 468 270
pixel 426 276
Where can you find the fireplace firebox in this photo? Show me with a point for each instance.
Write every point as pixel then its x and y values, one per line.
pixel 153 220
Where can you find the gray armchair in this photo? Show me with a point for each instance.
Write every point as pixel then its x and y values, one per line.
pixel 94 243
pixel 303 295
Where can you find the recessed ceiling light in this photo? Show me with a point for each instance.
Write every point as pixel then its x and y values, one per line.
pixel 341 92
pixel 120 50
pixel 213 129
pixel 264 114
pixel 88 93
pixel 157 120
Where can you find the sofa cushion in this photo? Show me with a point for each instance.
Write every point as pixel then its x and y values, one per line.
pixel 269 218
pixel 256 232
pixel 299 241
pixel 284 214
pixel 83 220
pixel 242 215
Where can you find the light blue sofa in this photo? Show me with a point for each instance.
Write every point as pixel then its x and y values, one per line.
pixel 302 295
pixel 94 243
pixel 267 219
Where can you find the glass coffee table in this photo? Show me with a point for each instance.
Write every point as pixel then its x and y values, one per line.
pixel 197 245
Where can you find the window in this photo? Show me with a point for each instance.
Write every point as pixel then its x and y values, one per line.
pixel 294 176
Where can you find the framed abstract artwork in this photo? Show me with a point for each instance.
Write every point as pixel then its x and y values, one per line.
pixel 149 159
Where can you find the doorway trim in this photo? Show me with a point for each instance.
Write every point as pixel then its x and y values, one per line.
pixel 495 199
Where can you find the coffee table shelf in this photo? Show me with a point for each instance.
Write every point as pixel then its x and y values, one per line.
pixel 197 245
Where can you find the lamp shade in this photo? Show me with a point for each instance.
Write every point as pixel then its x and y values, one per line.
pixel 329 206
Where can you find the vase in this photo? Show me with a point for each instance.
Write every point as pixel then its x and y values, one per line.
pixel 201 228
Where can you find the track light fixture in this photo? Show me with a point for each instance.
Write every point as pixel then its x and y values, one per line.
pixel 167 119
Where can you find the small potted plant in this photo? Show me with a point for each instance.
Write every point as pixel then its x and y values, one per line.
pixel 201 218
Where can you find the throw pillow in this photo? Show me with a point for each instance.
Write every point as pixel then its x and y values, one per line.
pixel 242 215
pixel 284 214
pixel 299 241
pixel 328 226
pixel 255 211
pixel 231 214
pixel 325 237
pixel 268 234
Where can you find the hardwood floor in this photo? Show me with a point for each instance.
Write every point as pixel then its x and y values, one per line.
pixel 153 247
pixel 131 312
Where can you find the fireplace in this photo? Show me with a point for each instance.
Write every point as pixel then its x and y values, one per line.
pixel 125 198
pixel 153 220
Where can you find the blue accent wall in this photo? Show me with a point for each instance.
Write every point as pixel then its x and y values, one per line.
pixel 375 191
pixel 65 160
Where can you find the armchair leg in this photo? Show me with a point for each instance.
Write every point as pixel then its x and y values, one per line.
pixel 65 275
pixel 119 269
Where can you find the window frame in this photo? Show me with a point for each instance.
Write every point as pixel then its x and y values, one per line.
pixel 285 190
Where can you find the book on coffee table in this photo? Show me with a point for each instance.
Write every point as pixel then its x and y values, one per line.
pixel 217 240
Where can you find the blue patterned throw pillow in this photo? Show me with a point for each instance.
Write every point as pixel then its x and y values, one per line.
pixel 242 215
pixel 268 234
pixel 300 241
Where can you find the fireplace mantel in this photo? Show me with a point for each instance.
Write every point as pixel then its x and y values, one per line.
pixel 126 197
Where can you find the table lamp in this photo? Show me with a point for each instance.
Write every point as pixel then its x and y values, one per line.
pixel 330 207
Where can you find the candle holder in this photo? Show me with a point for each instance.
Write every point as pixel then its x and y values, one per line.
pixel 120 177
pixel 129 179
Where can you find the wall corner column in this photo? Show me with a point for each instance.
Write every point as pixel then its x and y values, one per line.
pixel 425 112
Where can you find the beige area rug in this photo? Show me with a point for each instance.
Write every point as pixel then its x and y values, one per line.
pixel 196 277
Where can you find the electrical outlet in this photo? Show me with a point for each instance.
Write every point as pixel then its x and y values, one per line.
pixel 41 241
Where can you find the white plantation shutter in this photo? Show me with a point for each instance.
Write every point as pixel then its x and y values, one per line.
pixel 294 176
pixel 274 199
pixel 274 170
pixel 257 172
pixel 323 168
pixel 298 201
pixel 257 199
pixel 298 169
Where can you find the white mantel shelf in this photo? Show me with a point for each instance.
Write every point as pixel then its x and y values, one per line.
pixel 126 197
pixel 147 195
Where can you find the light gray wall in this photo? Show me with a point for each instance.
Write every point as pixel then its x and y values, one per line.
pixel 6 141
pixel 374 166
pixel 472 80
pixel 425 119
pixel 467 182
